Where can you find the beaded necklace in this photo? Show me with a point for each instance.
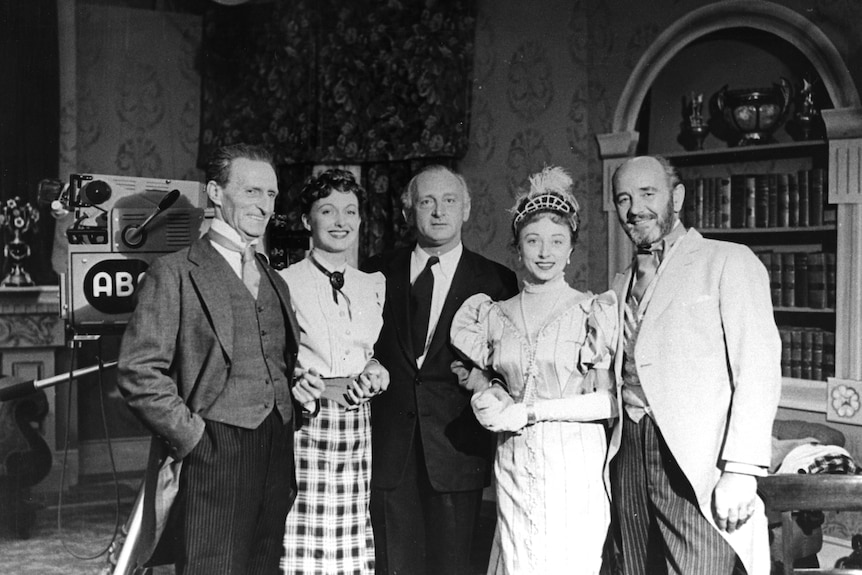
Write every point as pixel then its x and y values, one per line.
pixel 532 372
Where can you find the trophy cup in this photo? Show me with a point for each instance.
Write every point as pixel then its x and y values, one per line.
pixel 16 220
pixel 754 113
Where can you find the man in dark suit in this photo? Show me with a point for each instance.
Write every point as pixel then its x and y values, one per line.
pixel 207 364
pixel 431 458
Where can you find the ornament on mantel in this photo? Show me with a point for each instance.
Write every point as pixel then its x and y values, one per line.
pixel 17 219
pixel 694 127
pixel 806 123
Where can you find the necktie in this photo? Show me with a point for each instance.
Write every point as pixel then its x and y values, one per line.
pixel 250 274
pixel 420 306
pixel 647 264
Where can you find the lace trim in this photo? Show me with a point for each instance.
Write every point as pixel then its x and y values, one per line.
pixel 528 350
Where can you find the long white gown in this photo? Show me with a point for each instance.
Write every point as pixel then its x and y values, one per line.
pixel 553 511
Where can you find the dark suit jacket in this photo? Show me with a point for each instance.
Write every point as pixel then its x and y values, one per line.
pixel 176 352
pixel 429 401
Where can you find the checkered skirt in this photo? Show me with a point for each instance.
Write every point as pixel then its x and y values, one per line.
pixel 328 530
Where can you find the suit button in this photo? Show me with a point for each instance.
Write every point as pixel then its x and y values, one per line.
pixel 411 414
pixel 417 380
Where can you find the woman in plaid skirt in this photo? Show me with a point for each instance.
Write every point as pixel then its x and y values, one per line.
pixel 340 313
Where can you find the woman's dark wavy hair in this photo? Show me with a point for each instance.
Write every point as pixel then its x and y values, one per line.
pixel 324 184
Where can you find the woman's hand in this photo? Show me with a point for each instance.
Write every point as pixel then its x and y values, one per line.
pixel 511 418
pixel 307 387
pixel 488 404
pixel 497 411
pixel 471 378
pixel 373 380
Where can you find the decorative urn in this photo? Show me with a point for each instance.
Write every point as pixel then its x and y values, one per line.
pixel 754 113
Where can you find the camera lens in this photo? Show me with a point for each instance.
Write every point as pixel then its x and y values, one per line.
pixel 96 192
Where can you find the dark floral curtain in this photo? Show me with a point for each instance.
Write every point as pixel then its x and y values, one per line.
pixel 382 84
pixel 328 82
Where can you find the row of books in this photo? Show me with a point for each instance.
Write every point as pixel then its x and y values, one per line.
pixel 801 279
pixel 772 200
pixel 807 353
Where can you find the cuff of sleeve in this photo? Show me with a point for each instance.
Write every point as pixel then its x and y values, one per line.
pixel 314 412
pixel 531 414
pixel 744 468
pixel 178 450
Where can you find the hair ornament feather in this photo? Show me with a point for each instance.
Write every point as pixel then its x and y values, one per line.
pixel 550 191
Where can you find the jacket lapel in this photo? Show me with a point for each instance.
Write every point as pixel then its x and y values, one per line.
pixel 672 277
pixel 620 288
pixel 208 279
pixel 465 277
pixel 398 299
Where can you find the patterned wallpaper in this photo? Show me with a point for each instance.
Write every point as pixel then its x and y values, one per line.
pixel 530 90
pixel 138 93
pixel 137 114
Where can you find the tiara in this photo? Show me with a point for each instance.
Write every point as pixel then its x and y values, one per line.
pixel 547 202
pixel 550 191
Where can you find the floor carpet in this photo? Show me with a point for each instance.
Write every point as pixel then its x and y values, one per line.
pixel 87 527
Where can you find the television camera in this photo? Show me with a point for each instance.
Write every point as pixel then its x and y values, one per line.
pixel 109 230
pixel 116 227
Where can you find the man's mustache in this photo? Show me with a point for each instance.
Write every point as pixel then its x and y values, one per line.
pixel 638 219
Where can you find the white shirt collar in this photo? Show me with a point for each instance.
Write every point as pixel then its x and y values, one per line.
pixel 224 229
pixel 448 261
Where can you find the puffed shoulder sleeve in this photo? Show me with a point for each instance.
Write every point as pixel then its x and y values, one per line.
pixel 471 329
pixel 601 333
pixel 378 287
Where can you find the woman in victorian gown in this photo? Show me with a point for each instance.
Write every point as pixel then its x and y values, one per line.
pixel 552 346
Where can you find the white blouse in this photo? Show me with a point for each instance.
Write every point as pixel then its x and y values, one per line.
pixel 337 338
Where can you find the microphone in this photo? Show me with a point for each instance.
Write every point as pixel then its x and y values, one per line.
pixel 12 387
pixel 134 236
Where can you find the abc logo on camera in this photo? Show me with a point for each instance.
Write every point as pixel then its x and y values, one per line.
pixel 110 285
pixel 102 289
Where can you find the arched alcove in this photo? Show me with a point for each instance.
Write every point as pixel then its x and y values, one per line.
pixel 843 125
pixel 755 14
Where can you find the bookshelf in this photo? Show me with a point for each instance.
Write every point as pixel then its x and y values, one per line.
pixel 646 120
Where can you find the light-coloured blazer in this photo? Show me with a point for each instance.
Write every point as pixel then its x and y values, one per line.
pixel 708 356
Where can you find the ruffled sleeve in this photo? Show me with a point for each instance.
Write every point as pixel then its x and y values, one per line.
pixel 378 287
pixel 601 336
pixel 471 329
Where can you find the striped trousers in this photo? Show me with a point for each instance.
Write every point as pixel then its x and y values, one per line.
pixel 235 492
pixel 661 527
